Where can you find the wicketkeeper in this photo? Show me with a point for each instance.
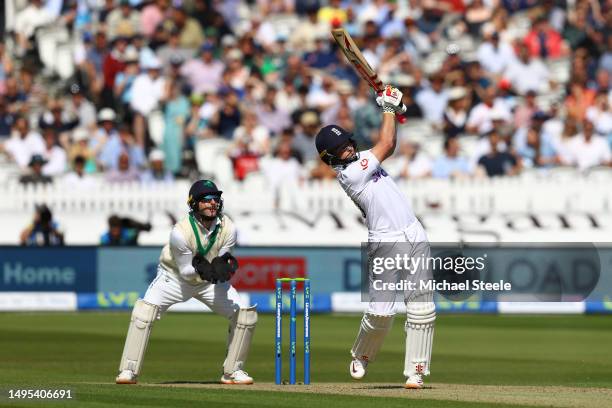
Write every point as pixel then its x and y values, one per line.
pixel 196 263
pixel 390 219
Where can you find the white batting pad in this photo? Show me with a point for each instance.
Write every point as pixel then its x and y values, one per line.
pixel 143 315
pixel 420 318
pixel 242 327
pixel 372 333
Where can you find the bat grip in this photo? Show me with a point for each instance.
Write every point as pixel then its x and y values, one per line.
pixel 400 117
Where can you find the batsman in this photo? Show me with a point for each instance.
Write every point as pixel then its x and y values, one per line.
pixel 391 223
pixel 196 263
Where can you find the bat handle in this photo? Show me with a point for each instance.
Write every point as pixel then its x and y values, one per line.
pixel 400 117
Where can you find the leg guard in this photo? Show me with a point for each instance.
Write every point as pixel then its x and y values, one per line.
pixel 242 327
pixel 143 316
pixel 419 337
pixel 372 333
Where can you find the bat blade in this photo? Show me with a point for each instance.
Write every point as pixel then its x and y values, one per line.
pixel 355 57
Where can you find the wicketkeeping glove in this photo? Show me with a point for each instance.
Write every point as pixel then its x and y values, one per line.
pixel 391 100
pixel 203 268
pixel 224 267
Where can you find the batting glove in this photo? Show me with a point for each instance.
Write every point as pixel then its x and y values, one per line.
pixel 391 100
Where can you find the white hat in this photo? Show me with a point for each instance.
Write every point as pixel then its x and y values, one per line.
pixel 403 80
pixel 107 114
pixel 234 54
pixel 156 155
pixel 498 114
pixel 344 87
pixel 152 63
pixel 455 93
pixel 131 54
pixel 80 134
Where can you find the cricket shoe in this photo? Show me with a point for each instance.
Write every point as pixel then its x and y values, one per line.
pixel 414 382
pixel 358 368
pixel 237 377
pixel 126 377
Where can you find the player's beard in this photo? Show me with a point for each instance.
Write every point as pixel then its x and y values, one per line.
pixel 206 217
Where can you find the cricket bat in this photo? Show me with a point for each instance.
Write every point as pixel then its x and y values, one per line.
pixel 355 57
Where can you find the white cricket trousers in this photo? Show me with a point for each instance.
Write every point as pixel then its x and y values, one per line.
pixel 419 245
pixel 167 289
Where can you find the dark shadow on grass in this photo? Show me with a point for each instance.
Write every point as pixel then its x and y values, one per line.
pixel 392 387
pixel 187 382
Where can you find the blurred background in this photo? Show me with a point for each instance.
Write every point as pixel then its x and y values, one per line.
pixel 110 109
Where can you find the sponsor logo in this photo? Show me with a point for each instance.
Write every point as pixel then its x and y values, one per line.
pixel 364 164
pixel 259 273
pixel 336 131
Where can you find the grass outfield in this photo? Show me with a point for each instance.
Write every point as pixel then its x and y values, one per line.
pixel 478 361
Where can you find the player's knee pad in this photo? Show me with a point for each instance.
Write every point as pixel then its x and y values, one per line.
pixel 143 316
pixel 420 318
pixel 372 333
pixel 242 328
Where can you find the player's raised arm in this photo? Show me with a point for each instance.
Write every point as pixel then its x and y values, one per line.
pixel 391 102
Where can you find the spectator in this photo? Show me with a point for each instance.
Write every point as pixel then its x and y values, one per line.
pixel 481 116
pixel 450 164
pixel 244 161
pixel 35 175
pixel 543 41
pixel 191 33
pixel 122 142
pixel 496 162
pixel 524 112
pixel 476 15
pixel 6 121
pixel 273 117
pixel 176 112
pixel 124 81
pixel 204 74
pixel 303 37
pixel 538 149
pixel 433 100
pixel 57 119
pixel 304 139
pixel 254 134
pixel 527 73
pixel 579 100
pixel 587 150
pixel 455 114
pixel 226 119
pixel 78 178
pixel 81 108
pixel 148 92
pixel 80 147
pixel 122 231
pixel 152 15
pixel 24 143
pixel 495 55
pixel 411 163
pixel 157 171
pixel 124 173
pixel 173 49
pixel 43 231
pixel 106 131
pixel 600 115
pixel 54 155
pixel 123 21
pixel 283 168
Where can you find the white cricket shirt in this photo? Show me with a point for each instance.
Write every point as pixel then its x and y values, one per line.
pixel 384 206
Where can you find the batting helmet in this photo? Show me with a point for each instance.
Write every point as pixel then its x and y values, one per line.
pixel 201 189
pixel 328 140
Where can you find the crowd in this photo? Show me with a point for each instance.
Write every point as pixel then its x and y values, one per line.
pixel 155 78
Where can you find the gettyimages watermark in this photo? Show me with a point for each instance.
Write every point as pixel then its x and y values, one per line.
pixel 522 272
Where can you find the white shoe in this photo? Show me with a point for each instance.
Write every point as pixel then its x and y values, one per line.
pixel 237 377
pixel 414 382
pixel 126 377
pixel 358 368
